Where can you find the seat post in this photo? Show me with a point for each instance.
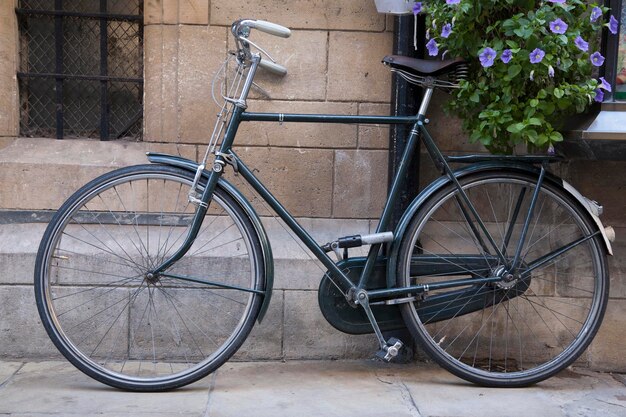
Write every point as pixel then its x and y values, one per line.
pixel 428 94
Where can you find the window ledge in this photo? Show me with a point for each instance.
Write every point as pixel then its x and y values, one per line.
pixel 599 135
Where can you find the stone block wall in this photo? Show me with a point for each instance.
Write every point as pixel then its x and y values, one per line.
pixel 332 177
pixel 333 58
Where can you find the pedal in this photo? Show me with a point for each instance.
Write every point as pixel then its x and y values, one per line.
pixel 391 350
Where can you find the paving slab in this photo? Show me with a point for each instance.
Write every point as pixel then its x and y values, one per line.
pixel 361 388
pixel 7 370
pixel 58 389
pixel 370 388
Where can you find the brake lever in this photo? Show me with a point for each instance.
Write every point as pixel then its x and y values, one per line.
pixel 242 39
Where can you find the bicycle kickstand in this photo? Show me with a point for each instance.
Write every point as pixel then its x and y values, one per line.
pixel 389 349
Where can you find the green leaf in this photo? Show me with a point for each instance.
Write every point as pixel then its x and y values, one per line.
pixel 566 63
pixel 558 93
pixel 532 135
pixel 534 121
pixel 516 127
pixel 534 102
pixel 514 70
pixel 556 137
pixel 475 136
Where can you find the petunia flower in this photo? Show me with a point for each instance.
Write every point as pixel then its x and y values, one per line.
pixel 581 44
pixel 557 1
pixel 417 8
pixel 550 71
pixel 613 25
pixel 558 26
pixel 596 59
pixel 432 47
pixel 599 96
pixel 604 84
pixel 532 75
pixel 453 1
pixel 536 56
pixel 447 29
pixel 487 56
pixel 596 12
pixel 506 56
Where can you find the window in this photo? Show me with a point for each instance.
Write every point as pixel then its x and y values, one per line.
pixel 81 68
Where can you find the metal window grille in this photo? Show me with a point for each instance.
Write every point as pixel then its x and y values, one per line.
pixel 81 68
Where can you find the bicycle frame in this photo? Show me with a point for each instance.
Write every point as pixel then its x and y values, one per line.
pixel 225 155
pixel 228 156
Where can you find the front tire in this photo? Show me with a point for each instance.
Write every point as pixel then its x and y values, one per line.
pixel 120 324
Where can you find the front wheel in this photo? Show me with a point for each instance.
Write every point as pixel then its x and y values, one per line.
pixel 535 320
pixel 120 323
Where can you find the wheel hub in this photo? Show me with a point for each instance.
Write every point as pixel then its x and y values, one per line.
pixel 151 278
pixel 509 280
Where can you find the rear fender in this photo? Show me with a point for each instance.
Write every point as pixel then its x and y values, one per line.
pixel 443 181
pixel 233 192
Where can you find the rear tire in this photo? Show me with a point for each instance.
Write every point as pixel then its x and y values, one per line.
pixel 113 320
pixel 528 326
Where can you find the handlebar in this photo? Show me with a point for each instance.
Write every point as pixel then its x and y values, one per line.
pixel 272 28
pixel 241 31
pixel 273 67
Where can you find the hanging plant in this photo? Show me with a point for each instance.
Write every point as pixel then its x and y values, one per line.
pixel 531 64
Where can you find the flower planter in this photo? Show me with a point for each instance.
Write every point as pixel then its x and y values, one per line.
pixel 397 7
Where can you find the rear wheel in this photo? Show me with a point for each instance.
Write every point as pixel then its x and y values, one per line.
pixel 122 324
pixel 538 318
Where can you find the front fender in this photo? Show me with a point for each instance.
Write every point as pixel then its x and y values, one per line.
pixel 441 182
pixel 268 260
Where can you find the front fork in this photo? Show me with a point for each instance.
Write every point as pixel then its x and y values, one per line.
pixel 204 201
pixel 202 206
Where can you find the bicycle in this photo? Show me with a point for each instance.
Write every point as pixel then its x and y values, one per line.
pixel 151 277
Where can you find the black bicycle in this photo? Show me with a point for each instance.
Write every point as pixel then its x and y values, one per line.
pixel 152 276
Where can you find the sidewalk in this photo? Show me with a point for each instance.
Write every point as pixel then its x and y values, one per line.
pixel 316 388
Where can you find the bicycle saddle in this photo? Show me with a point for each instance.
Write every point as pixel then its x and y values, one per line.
pixel 421 66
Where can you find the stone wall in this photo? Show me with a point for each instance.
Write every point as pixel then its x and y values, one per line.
pixel 333 58
pixel 334 178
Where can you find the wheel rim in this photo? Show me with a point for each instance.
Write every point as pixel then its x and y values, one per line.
pixel 111 315
pixel 536 330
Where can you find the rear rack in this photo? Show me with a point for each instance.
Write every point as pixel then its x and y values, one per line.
pixel 529 159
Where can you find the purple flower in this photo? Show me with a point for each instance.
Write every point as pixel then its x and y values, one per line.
pixel 613 25
pixel 558 26
pixel 596 12
pixel 536 56
pixel 447 29
pixel 487 57
pixel 506 56
pixel 417 8
pixel 581 44
pixel 550 71
pixel 433 50
pixel 532 75
pixel 596 59
pixel 557 1
pixel 604 84
pixel 453 1
pixel 599 96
